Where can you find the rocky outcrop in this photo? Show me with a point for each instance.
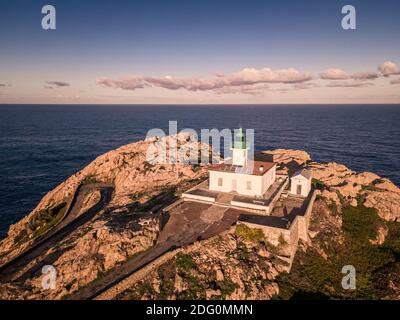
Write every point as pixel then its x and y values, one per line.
pixel 128 225
pixel 226 266
pixel 289 160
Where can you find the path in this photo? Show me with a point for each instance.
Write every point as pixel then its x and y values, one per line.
pixel 73 219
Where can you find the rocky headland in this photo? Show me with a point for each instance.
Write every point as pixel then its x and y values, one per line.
pixel 354 222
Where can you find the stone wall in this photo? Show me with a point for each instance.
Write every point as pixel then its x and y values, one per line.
pixel 297 230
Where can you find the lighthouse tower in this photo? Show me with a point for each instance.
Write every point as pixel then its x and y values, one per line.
pixel 239 150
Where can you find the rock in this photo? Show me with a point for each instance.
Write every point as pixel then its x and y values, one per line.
pixel 219 275
pixel 110 237
pixel 288 160
pixel 120 231
pixel 381 236
pixel 286 156
pixel 210 293
pixel 387 204
pixel 387 185
pixel 354 202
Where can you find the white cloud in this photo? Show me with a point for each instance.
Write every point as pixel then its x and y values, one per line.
pixel 339 74
pixel 349 84
pixel 389 68
pixel 244 77
pixel 334 74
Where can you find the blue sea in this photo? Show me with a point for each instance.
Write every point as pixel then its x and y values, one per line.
pixel 42 145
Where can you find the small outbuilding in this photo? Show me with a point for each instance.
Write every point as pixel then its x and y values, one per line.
pixel 300 183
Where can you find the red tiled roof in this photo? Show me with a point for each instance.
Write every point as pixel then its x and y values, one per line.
pixel 259 168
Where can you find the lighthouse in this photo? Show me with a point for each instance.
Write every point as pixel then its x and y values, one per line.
pixel 239 150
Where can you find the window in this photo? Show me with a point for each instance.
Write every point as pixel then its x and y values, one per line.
pixel 248 185
pixel 219 182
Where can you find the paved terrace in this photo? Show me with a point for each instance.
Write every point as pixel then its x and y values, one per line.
pixel 284 213
pixel 268 196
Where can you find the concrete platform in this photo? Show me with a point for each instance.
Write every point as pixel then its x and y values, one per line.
pixel 262 205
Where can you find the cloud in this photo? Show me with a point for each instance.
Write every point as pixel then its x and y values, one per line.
pixel 253 90
pixel 334 74
pixel 389 68
pixel 128 83
pixel 57 84
pixel 339 74
pixel 244 77
pixel 396 81
pixel 345 84
pixel 304 85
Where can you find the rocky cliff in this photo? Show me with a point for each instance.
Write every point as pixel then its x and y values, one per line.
pixel 354 221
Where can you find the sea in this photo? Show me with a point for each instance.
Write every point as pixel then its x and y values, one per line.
pixel 42 145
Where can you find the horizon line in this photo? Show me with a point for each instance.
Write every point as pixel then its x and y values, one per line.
pixel 200 104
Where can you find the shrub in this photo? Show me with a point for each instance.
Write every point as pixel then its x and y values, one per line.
pixel 185 262
pixel 250 234
pixel 226 286
pixel 89 179
pixel 360 223
pixel 317 184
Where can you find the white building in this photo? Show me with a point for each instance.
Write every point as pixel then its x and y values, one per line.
pixel 300 183
pixel 250 178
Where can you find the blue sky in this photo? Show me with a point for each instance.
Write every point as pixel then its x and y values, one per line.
pixel 191 39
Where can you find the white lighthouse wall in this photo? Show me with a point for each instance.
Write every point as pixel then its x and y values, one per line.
pixel 258 186
pixel 239 157
pixel 268 179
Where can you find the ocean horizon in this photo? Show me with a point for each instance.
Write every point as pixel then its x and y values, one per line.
pixel 42 145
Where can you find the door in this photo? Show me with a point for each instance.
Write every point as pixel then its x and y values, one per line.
pixel 234 185
pixel 298 189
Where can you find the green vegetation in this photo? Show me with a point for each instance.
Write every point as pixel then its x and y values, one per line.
pixel 370 187
pixel 42 222
pixel 89 179
pixel 46 219
pixel 249 234
pixel 272 248
pixel 166 274
pixel 360 223
pixel 314 277
pixel 241 252
pixel 226 287
pixel 21 237
pixel 317 184
pixel 333 208
pixel 184 262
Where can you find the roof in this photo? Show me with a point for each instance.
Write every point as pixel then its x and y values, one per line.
pixel 266 157
pixel 259 168
pixel 304 173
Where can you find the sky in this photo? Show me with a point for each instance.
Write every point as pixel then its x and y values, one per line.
pixel 194 52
